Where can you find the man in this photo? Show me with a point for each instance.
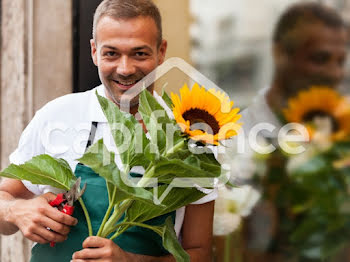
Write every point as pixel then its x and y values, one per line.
pixel 127 45
pixel 309 49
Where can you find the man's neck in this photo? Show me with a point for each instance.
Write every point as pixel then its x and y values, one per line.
pixel 133 108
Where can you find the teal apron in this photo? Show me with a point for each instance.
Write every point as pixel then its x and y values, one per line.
pixel 135 240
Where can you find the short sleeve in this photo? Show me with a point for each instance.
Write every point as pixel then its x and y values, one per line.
pixel 211 196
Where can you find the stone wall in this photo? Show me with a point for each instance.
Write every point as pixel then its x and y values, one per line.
pixel 36 58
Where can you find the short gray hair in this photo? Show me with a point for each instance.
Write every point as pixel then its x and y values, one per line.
pixel 124 9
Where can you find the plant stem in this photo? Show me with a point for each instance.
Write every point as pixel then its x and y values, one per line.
pixel 115 217
pixel 175 148
pixel 238 256
pixel 87 217
pixel 108 212
pixel 153 228
pixel 145 179
pixel 227 252
pixel 118 233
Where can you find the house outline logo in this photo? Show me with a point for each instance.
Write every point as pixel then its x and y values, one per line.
pixel 151 78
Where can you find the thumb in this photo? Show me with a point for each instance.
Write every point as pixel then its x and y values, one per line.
pixel 48 196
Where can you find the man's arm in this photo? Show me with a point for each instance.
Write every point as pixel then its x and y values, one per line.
pixel 19 210
pixel 196 240
pixel 9 191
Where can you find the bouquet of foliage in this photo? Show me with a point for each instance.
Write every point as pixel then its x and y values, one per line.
pixel 175 174
pixel 310 191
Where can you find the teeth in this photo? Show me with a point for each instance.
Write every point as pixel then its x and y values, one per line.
pixel 127 83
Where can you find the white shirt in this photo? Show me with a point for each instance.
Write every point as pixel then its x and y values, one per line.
pixel 61 129
pixel 260 112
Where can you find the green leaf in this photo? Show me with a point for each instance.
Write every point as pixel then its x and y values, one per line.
pixel 180 154
pixel 165 170
pixel 205 161
pixel 192 161
pixel 167 99
pixel 102 162
pixel 43 170
pixel 208 158
pixel 178 197
pixel 172 244
pixel 127 133
pixel 163 131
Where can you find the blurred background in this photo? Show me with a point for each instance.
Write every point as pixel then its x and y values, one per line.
pixel 231 42
pixel 45 53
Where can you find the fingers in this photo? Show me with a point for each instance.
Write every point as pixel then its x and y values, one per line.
pixel 50 235
pixel 55 214
pixel 91 260
pixel 49 196
pixel 34 216
pixel 97 248
pixel 59 217
pixel 38 239
pixel 93 242
pixel 55 226
pixel 42 235
pixel 91 253
pixel 49 217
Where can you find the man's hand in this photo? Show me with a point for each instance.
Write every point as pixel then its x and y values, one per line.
pixel 34 216
pixel 101 250
pixel 196 240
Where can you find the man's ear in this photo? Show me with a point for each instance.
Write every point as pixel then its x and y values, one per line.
pixel 93 51
pixel 162 51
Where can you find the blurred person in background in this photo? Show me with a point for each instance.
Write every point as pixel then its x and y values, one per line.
pixel 309 49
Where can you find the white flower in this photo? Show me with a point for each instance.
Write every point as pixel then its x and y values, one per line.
pixel 322 136
pixel 243 167
pixel 226 223
pixel 231 205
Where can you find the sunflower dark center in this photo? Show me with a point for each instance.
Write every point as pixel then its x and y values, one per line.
pixel 199 116
pixel 310 116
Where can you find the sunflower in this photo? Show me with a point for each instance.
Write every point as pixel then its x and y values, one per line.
pixel 204 115
pixel 320 102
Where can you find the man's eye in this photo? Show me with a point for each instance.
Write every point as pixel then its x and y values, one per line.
pixel 141 54
pixel 320 58
pixel 110 53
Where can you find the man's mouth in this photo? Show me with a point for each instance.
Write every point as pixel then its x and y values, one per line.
pixel 125 85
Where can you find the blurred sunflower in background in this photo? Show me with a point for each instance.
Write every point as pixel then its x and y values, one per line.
pixel 321 110
pixel 204 115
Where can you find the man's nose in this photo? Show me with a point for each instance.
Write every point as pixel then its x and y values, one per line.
pixel 125 66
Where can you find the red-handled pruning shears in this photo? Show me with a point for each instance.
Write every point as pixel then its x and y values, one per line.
pixel 64 202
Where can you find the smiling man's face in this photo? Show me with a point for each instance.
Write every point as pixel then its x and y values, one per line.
pixel 125 51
